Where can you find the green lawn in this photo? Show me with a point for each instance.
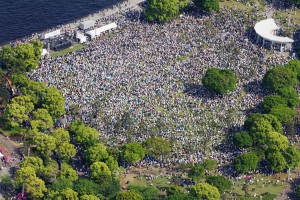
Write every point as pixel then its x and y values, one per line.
pixel 68 50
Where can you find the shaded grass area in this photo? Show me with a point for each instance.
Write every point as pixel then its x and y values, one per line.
pixel 75 47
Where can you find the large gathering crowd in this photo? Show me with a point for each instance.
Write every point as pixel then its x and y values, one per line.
pixel 154 71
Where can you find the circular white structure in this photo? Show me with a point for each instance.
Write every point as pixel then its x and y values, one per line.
pixel 266 31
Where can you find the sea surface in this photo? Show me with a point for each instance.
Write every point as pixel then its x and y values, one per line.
pixel 20 18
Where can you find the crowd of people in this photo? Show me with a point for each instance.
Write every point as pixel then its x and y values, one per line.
pixel 154 71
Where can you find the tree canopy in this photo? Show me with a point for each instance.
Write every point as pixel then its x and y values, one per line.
pixel 220 81
pixel 246 162
pixel 207 5
pixel 197 172
pixel 132 152
pixel 95 153
pixel 242 139
pixel 279 77
pixel 221 182
pixel 157 146
pixel 163 10
pixel 54 102
pixel 129 195
pixel 22 58
pixel 272 101
pixel 100 172
pixel 205 191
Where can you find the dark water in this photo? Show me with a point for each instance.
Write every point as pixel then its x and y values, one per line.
pixel 19 18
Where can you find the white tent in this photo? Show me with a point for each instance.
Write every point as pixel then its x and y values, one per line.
pixel 80 37
pixel 87 24
pixel 44 52
pixel 52 34
pixel 98 31
pixel 267 29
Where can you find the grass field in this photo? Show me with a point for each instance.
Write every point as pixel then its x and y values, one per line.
pixel 68 50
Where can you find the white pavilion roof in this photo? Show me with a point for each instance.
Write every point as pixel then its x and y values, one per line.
pixel 264 28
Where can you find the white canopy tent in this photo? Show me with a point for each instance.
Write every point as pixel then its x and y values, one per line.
pixel 44 52
pixel 266 31
pixel 52 34
pixel 87 24
pixel 80 37
pixel 96 32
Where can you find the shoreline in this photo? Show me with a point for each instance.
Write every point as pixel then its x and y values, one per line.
pixel 73 25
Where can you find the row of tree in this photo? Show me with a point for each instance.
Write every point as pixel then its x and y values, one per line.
pixel 263 135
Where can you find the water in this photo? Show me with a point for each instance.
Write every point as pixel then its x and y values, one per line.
pixel 19 18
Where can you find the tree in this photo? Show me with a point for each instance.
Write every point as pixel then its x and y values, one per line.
pixel 61 136
pixel 65 194
pixel 45 144
pixel 197 172
pixel 87 136
pixel 111 163
pixel 220 81
pixel 60 184
pixel 65 151
pixel 96 153
pixel 35 187
pixel 22 175
pixel 41 120
pixel 76 127
pixel 35 90
pixel 54 102
pixel 25 57
pixel 129 195
pixel 276 160
pixel 67 172
pixel 272 101
pixel 290 95
pixel 132 152
pixel 100 172
pixel 207 5
pixel 205 191
pixel 86 186
pixel 221 182
pixel 292 156
pixel 279 77
pixel 294 65
pixel 147 192
pixel 15 114
pixel 259 131
pixel 163 10
pixel 283 113
pixel 89 197
pixel 242 139
pixel 181 196
pixel 35 162
pixel 209 164
pixel 37 46
pixel 277 141
pixel 19 80
pixel 21 58
pixel 157 146
pixel 7 57
pixel 24 101
pixel 246 162
pixel 256 117
pixel 69 194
